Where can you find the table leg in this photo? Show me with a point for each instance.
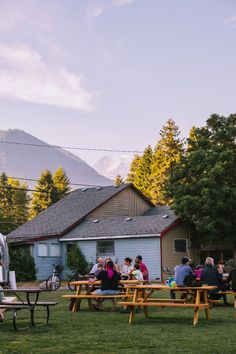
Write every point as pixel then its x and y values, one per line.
pixel 135 297
pixel 196 309
pixel 207 310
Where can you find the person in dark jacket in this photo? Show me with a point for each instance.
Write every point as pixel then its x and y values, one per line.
pixel 211 276
pixel 232 278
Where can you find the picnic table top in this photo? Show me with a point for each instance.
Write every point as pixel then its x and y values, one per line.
pixel 98 282
pixel 166 287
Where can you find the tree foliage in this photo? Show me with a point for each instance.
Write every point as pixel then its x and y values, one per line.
pixel 22 263
pixel 151 171
pixel 118 180
pixel 49 190
pixel 76 260
pixel 203 185
pixel 14 204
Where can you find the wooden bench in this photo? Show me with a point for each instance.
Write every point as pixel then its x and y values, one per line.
pixel 32 320
pixel 76 299
pixel 228 292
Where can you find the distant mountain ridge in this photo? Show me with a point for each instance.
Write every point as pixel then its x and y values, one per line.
pixel 26 161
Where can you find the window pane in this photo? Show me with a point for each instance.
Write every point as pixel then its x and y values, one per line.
pixel 180 246
pixel 55 250
pixel 42 249
pixel 105 247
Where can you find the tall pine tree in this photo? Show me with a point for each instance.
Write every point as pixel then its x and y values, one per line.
pixel 61 183
pixel 167 154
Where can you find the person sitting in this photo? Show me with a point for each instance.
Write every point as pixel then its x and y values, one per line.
pixel 211 276
pixel 232 279
pixel 95 267
pixel 99 268
pixel 136 273
pixel 181 272
pixel 143 267
pixel 220 267
pixel 198 271
pixel 110 280
pixel 126 268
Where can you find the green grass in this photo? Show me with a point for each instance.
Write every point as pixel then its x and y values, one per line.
pixel 168 330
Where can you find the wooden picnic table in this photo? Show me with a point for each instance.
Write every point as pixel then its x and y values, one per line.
pixel 85 288
pixel 197 299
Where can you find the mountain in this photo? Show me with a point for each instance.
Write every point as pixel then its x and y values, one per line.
pixel 113 166
pixel 27 161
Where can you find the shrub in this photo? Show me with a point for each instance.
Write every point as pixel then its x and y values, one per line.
pixel 76 260
pixel 22 263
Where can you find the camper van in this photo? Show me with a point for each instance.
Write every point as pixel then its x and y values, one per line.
pixel 4 257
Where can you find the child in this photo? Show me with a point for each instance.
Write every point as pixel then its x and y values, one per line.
pixel 136 273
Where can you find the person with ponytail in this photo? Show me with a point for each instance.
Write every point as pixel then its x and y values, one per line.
pixel 110 280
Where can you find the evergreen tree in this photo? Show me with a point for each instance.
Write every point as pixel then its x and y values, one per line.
pixel 14 203
pixel 203 185
pixel 167 154
pixel 140 171
pixel 76 260
pixel 61 184
pixel 46 193
pixel 118 180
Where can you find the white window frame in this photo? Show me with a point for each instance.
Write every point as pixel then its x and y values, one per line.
pixel 180 239
pixel 45 254
pixel 107 253
pixel 59 249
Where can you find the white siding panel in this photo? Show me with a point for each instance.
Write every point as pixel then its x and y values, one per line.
pixel 149 249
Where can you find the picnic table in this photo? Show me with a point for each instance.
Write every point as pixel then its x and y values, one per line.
pixel 85 288
pixel 193 297
pixel 27 299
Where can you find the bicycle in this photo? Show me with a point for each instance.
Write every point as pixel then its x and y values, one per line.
pixel 75 277
pixel 53 282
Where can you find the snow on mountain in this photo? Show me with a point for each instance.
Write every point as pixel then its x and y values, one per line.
pixel 111 166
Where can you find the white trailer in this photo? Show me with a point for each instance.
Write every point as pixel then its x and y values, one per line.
pixel 4 257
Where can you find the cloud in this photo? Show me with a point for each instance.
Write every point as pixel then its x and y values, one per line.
pixel 25 76
pixel 230 19
pixel 96 9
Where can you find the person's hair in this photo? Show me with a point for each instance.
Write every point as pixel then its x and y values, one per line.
pixel 139 258
pixel 221 263
pixel 109 268
pixel 199 266
pixel 136 266
pixel 128 259
pixel 100 265
pixel 185 260
pixel 209 261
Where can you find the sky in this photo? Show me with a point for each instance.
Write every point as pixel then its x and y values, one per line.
pixel 108 74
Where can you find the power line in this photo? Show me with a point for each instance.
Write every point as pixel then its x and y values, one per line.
pixel 71 147
pixel 72 184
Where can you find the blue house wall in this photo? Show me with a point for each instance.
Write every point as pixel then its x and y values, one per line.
pixel 43 264
pixel 149 248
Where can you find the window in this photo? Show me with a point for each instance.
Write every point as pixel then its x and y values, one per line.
pixel 55 250
pixel 42 249
pixel 180 245
pixel 105 247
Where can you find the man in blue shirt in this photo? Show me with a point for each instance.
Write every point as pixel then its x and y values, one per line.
pixel 180 273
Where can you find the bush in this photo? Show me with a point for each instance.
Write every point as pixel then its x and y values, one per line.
pixel 22 263
pixel 76 260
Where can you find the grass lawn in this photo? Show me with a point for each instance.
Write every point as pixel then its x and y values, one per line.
pixel 168 330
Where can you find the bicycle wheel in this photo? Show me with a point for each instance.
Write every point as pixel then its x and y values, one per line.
pixel 72 287
pixel 53 283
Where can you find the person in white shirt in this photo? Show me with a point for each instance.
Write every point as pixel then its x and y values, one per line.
pixel 126 268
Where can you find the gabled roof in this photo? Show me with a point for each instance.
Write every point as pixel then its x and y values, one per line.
pixel 67 213
pixel 120 227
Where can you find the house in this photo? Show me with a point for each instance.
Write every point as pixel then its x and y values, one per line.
pixel 113 221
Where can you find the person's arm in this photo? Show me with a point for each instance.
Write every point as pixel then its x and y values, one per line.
pixel 229 278
pixel 143 269
pixel 202 276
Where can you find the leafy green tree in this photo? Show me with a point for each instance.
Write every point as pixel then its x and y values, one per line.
pixel 76 260
pixel 118 180
pixel 133 169
pixel 167 154
pixel 203 185
pixel 61 183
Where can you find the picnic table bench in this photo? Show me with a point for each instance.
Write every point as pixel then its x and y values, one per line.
pixel 141 298
pixel 85 288
pixel 228 292
pixel 29 304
